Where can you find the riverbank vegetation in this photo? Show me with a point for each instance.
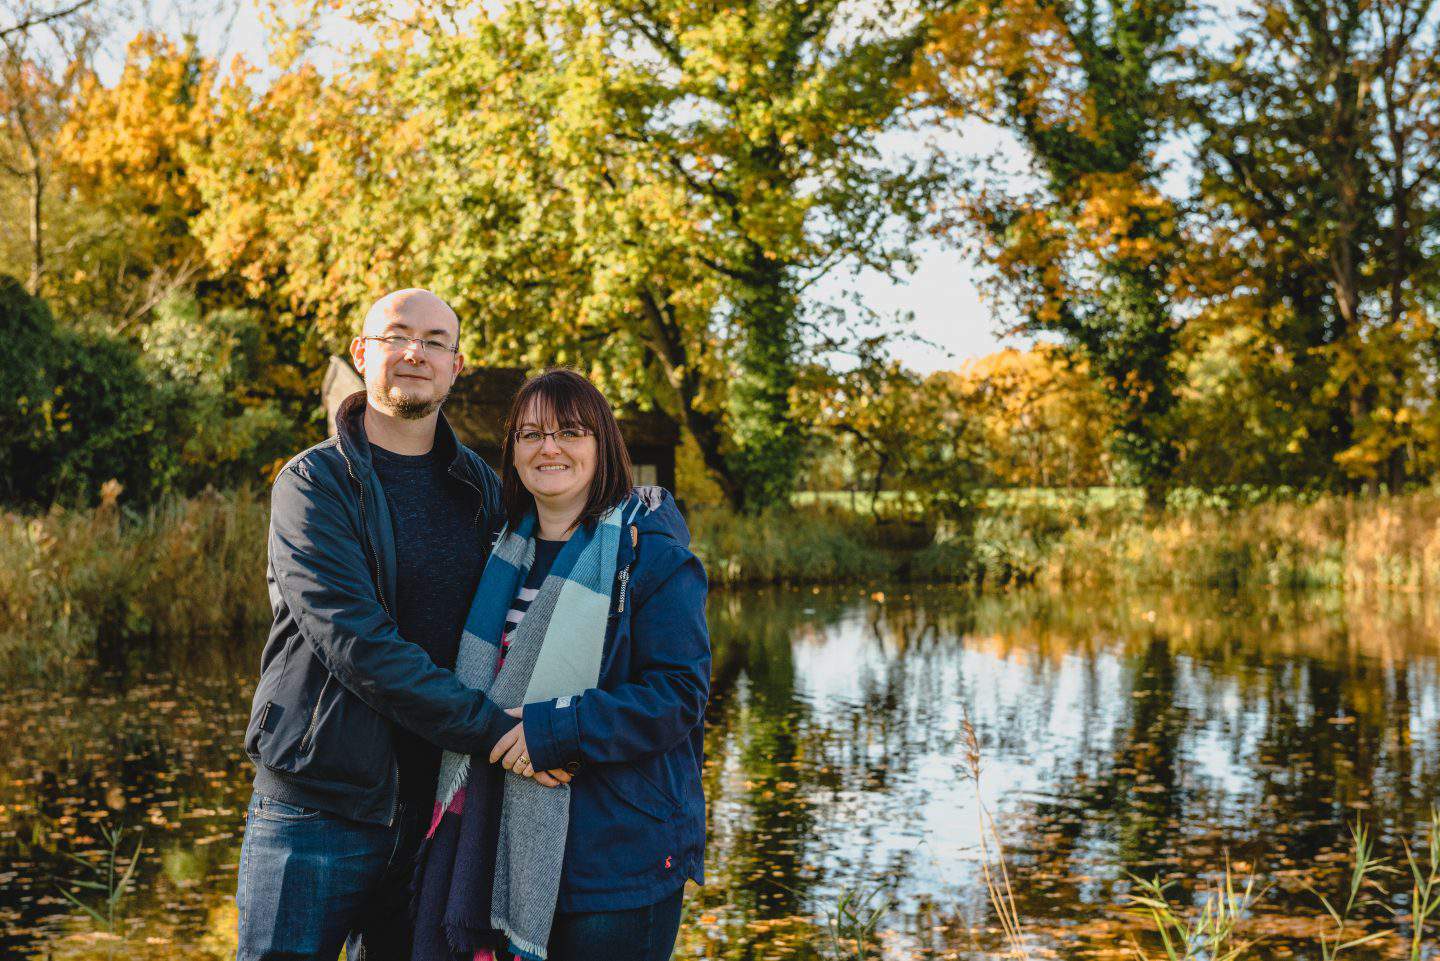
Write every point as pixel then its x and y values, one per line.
pixel 89 582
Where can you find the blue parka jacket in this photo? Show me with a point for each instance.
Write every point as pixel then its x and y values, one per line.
pixel 335 673
pixel 636 741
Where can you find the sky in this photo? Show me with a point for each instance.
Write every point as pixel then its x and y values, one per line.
pixel 951 321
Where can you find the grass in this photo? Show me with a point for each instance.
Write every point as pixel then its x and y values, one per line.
pixel 109 881
pixel 811 546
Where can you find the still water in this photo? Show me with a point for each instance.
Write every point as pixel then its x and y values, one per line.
pixel 1120 734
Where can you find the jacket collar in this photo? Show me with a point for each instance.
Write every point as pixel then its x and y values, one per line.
pixel 350 429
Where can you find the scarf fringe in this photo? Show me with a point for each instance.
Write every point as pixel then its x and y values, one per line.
pixel 518 944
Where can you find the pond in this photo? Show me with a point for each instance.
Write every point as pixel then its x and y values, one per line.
pixel 1156 735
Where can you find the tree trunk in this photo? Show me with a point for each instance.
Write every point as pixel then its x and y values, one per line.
pixel 764 432
pixel 1136 361
pixel 681 373
pixel 37 236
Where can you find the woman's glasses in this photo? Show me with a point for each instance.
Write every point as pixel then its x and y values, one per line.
pixel 565 436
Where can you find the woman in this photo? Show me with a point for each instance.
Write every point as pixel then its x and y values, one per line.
pixel 574 839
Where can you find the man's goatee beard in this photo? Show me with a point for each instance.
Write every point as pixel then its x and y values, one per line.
pixel 406 407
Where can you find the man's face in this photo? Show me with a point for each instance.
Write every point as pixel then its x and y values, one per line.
pixel 406 359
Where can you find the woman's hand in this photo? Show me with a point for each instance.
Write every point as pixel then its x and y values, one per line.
pixel 512 754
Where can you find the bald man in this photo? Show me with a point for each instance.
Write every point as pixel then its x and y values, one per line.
pixel 377 540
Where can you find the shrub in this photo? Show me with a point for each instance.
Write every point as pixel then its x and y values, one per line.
pixel 78 411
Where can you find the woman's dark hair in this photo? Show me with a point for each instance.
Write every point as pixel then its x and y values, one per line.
pixel 567 398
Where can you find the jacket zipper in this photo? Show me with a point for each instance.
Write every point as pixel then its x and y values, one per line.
pixel 479 511
pixel 625 574
pixel 624 582
pixel 309 737
pixel 379 593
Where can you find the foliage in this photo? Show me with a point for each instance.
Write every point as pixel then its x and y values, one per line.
pixel 1043 421
pixel 1089 252
pixel 85 413
pixel 109 880
pixel 189 410
pixel 27 332
pixel 40 71
pixel 896 431
pixel 786 547
pixel 217 370
pixel 1211 933
pixel 125 152
pixel 80 584
pixel 1317 130
pixel 644 186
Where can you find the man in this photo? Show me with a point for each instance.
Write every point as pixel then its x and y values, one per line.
pixel 377 540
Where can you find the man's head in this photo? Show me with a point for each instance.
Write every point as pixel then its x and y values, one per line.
pixel 408 353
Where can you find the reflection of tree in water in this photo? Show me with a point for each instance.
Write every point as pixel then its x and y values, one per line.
pixel 1156 730
pixel 1127 800
pixel 806 789
pixel 1314 713
pixel 757 722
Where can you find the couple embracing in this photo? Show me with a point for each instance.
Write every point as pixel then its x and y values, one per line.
pixel 477 732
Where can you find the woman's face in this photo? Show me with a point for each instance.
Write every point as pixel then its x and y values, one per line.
pixel 557 471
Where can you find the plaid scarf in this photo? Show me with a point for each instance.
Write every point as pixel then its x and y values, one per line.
pixel 489 872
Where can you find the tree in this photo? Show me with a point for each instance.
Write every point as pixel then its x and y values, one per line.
pixel 38 79
pixel 648 185
pixel 125 151
pixel 896 430
pixel 30 19
pixel 1042 418
pixel 1090 253
pixel 84 412
pixel 1319 143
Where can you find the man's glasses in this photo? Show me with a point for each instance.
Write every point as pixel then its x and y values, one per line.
pixel 396 342
pixel 565 436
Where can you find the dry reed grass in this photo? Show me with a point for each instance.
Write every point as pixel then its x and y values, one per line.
pixel 78 582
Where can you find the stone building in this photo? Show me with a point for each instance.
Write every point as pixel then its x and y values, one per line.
pixel 480 400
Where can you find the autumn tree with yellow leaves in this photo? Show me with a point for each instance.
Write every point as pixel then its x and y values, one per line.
pixel 1318 143
pixel 1089 252
pixel 1041 419
pixel 125 151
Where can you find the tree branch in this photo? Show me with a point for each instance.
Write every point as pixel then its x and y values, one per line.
pixel 43 19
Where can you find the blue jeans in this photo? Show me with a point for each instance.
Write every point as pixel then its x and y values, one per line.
pixel 311 881
pixel 640 934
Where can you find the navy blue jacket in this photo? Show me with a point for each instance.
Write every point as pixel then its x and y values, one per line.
pixel 637 811
pixel 335 673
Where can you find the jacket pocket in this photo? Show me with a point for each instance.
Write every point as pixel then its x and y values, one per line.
pixel 323 734
pixel 641 792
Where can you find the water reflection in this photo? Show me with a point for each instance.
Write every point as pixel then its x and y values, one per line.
pixel 1147 734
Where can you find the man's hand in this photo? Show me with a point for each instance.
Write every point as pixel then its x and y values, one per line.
pixel 512 754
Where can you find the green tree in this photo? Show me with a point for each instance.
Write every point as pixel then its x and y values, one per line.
pixel 215 371
pixel 1090 253
pixel 80 411
pixel 1319 146
pixel 648 186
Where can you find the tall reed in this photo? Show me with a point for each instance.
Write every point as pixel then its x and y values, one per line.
pixel 76 583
